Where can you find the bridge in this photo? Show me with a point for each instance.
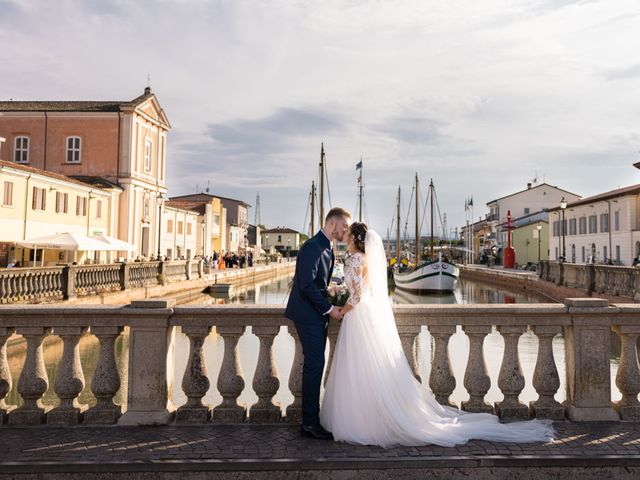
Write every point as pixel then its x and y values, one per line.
pixel 151 436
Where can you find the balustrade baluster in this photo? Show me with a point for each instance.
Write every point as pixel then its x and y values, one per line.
pixel 195 382
pixel 4 288
pixel 441 379
pixel 5 374
pixel 11 287
pixel 510 379
pixel 265 379
pixel 332 337
pixel 22 286
pixel 546 380
pixel 33 381
pixel 106 380
pixel 230 379
pixel 628 376
pixel 69 379
pixel 294 411
pixel 476 379
pixel 408 334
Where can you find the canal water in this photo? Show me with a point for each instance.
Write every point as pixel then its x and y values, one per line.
pixel 275 292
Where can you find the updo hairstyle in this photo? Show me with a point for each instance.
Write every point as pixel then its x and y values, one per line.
pixel 359 231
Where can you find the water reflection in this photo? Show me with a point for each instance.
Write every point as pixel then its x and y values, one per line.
pixel 276 292
pixel 467 291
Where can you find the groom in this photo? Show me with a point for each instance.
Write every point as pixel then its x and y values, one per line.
pixel 310 310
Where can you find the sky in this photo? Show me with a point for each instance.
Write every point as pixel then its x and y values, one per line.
pixel 480 96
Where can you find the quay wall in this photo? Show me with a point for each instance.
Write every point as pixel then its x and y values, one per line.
pixel 514 281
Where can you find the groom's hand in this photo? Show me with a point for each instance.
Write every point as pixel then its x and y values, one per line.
pixel 336 313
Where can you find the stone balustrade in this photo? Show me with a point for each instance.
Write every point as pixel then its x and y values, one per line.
pixel 585 323
pixel 32 284
pixel 40 284
pixel 593 278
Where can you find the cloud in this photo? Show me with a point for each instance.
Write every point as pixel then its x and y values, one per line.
pixel 272 134
pixel 624 73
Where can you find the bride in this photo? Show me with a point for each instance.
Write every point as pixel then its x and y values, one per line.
pixel 371 396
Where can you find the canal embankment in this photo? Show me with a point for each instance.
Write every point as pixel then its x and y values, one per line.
pixel 186 288
pixel 521 280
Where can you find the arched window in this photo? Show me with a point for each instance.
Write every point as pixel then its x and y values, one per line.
pixel 573 253
pixel 21 150
pixel 73 149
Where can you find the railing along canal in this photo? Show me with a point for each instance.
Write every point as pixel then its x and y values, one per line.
pixel 40 284
pixel 585 323
pixel 593 278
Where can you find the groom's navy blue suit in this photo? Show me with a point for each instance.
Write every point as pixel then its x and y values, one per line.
pixel 308 307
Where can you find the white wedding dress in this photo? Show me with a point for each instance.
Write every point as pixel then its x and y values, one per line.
pixel 371 396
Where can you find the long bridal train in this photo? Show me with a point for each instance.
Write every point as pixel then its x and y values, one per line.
pixel 371 396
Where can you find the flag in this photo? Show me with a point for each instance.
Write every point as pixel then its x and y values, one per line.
pixel 471 202
pixel 359 165
pixel 466 204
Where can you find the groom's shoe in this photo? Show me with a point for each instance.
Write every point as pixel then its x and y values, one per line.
pixel 316 431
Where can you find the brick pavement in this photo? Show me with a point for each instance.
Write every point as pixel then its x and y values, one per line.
pixel 280 446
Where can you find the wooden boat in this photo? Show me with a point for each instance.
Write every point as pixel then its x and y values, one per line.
pixel 434 275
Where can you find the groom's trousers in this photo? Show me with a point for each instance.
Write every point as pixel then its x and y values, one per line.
pixel 313 337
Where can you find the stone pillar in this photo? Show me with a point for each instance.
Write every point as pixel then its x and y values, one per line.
pixel 510 379
pixel 588 345
pixel 628 376
pixel 201 268
pixel 408 334
pixel 195 382
pixel 230 379
pixel 69 379
pixel 441 379
pixel 590 278
pixel 125 269
pixel 151 360
pixel 546 380
pixel 106 380
pixel 187 267
pixel 5 374
pixel 33 380
pixel 69 282
pixel 265 379
pixel 476 378
pixel 294 411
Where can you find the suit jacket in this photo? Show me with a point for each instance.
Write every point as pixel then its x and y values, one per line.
pixel 314 266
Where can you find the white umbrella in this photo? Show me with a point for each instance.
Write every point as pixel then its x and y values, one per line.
pixel 114 244
pixel 66 241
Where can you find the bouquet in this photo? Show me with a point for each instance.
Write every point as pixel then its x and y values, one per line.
pixel 338 295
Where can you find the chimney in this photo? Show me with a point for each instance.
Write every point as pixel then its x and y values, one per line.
pixel 529 186
pixel 147 90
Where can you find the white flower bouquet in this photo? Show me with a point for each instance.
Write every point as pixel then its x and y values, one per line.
pixel 338 295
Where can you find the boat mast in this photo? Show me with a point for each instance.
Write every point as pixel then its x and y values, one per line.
pixel 398 227
pixel 321 209
pixel 360 193
pixel 431 201
pixel 313 208
pixel 417 222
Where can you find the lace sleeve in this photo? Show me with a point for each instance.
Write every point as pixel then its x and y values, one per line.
pixel 355 279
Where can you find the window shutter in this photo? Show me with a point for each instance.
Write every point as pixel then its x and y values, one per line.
pixel 35 198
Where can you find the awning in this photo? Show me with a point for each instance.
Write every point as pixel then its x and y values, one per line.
pixel 115 244
pixel 67 241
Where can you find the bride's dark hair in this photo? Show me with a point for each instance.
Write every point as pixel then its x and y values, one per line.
pixel 359 232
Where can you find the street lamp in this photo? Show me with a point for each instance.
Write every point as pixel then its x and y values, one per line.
pixel 204 226
pixel 563 207
pixel 539 227
pixel 160 200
